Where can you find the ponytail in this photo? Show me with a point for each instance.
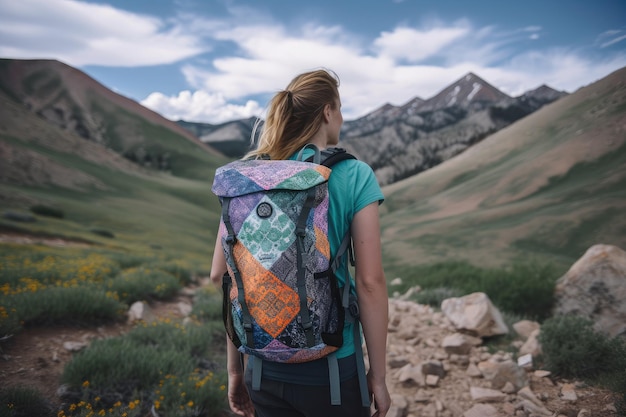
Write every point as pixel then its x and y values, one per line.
pixel 296 114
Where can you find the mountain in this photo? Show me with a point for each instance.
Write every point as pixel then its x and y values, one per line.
pixel 76 103
pixel 423 133
pixel 123 176
pixel 545 188
pixel 400 141
pixel 231 138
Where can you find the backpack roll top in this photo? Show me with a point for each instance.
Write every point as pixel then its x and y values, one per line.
pixel 250 176
pixel 282 301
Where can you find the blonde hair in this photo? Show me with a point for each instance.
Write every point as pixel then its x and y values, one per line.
pixel 296 114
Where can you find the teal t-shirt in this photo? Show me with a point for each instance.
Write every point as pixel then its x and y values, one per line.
pixel 351 187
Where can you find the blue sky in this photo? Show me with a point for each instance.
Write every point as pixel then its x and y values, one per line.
pixel 219 60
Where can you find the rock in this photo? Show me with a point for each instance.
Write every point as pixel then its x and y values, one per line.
pixel 508 388
pixel 140 311
pixel 473 371
pixel 542 374
pixel 397 361
pixel 398 406
pixel 508 371
pixel 432 380
pixel 474 313
pixel 486 395
pixel 413 373
pixel 482 410
pixel 534 409
pixel 531 346
pixel 595 287
pixel 525 361
pixel 395 282
pixel 184 308
pixel 525 327
pixel 459 343
pixel 488 368
pixel 75 346
pixel 433 368
pixel 527 394
pixel 568 393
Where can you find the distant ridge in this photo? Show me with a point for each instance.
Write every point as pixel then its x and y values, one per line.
pixel 80 106
pixel 48 87
pixel 400 141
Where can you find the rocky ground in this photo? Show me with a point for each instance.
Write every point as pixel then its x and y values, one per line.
pixel 427 381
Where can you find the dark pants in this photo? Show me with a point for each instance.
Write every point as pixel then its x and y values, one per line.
pixel 281 399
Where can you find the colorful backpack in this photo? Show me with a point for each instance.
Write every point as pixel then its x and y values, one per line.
pixel 282 301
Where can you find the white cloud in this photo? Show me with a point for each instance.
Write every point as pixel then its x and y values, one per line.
pixel 414 45
pixel 200 106
pixel 259 55
pixel 611 37
pixel 80 33
pixel 375 73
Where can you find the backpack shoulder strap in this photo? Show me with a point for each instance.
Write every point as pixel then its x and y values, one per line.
pixel 331 156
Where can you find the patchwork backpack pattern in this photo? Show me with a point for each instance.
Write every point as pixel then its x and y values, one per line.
pixel 282 301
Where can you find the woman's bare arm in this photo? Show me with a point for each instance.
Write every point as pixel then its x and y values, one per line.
pixel 371 289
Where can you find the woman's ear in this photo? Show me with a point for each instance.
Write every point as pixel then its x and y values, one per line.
pixel 327 112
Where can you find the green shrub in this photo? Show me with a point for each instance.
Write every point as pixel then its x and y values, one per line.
pixel 24 402
pixel 203 395
pixel 103 233
pixel 121 365
pixel 207 304
pixel 162 364
pixel 572 349
pixel 141 283
pixel 523 289
pixel 24 270
pixel 84 304
pixel 9 319
pixel 47 211
pixel 434 296
pixel 167 335
pixel 181 273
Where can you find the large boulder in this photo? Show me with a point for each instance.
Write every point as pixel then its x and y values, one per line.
pixel 474 314
pixel 595 287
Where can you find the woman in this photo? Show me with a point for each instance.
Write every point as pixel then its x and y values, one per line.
pixel 309 112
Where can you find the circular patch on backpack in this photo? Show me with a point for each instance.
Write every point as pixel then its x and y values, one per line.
pixel 264 210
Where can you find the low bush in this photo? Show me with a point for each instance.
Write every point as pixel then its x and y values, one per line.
pixel 522 289
pixel 47 211
pixel 181 273
pixel 434 296
pixel 141 283
pixel 24 402
pixel 207 304
pixel 573 349
pixel 84 304
pixel 162 365
pixel 103 233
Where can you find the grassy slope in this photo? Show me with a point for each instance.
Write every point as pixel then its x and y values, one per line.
pixel 546 188
pixel 144 209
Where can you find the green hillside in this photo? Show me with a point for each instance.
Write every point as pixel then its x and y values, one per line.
pixel 545 189
pixel 107 197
